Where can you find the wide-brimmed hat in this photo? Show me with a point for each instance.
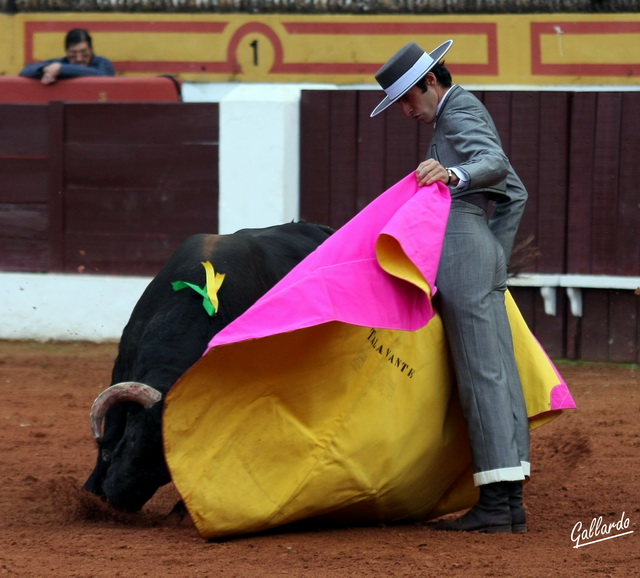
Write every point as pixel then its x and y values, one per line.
pixel 404 69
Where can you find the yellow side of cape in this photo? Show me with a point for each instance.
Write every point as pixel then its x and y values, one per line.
pixel 335 421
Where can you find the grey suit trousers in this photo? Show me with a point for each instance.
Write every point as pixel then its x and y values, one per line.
pixel 472 279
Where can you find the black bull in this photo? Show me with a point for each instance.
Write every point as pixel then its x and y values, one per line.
pixel 168 331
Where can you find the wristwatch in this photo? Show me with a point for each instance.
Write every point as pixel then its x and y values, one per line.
pixel 450 173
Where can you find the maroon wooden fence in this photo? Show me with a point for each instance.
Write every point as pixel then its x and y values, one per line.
pixel 576 153
pixel 104 188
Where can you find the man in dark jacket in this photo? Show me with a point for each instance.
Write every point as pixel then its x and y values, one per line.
pixel 465 154
pixel 79 61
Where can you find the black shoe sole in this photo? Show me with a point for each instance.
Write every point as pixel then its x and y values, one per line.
pixel 519 529
pixel 481 530
pixel 496 530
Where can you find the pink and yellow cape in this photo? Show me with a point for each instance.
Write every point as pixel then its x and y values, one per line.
pixel 333 396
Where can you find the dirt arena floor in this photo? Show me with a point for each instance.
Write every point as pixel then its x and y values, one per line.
pixel 586 471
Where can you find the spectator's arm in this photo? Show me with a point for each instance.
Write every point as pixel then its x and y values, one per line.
pixel 35 70
pixel 99 67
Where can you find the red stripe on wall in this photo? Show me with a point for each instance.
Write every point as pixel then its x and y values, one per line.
pixel 33 28
pixel 487 29
pixel 538 29
pixel 408 28
pixel 174 66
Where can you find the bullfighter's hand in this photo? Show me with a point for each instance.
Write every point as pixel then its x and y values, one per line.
pixel 431 171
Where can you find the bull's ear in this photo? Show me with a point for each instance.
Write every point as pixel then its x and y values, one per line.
pixel 125 391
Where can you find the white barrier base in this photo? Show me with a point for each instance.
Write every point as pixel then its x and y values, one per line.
pixel 57 307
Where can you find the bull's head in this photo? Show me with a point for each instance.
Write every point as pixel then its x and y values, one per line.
pixel 126 421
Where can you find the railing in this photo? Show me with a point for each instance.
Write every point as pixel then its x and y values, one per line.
pixel 573 285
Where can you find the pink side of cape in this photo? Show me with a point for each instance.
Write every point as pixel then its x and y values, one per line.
pixel 561 397
pixel 342 279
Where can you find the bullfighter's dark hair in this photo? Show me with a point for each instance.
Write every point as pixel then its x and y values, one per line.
pixel 442 74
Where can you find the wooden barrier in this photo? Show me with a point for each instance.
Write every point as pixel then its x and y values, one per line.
pixel 17 89
pixel 104 187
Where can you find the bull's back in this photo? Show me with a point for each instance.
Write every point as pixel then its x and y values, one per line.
pixel 169 330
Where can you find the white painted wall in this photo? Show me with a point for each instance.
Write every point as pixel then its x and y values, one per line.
pixel 259 150
pixel 259 136
pixel 46 306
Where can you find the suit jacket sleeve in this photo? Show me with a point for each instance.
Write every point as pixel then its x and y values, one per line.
pixel 35 70
pixel 466 137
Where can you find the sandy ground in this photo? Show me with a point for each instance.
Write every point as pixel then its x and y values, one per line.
pixel 586 465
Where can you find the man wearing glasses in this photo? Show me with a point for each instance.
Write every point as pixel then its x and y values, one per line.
pixel 79 61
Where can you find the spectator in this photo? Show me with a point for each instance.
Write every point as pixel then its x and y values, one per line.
pixel 79 61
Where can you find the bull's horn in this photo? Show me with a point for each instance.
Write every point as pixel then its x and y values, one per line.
pixel 125 391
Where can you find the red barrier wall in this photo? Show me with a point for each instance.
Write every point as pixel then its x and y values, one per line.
pixel 17 89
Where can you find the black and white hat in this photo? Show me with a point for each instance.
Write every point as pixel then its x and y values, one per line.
pixel 404 69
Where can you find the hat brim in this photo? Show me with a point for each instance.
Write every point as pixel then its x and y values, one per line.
pixel 436 56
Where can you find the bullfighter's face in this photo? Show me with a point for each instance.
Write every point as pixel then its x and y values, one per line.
pixel 421 106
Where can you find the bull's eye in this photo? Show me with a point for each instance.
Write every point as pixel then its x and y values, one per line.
pixel 105 455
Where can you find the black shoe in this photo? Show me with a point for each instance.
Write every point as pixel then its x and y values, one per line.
pixel 518 513
pixel 491 515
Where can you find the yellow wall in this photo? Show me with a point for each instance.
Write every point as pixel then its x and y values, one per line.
pixel 532 49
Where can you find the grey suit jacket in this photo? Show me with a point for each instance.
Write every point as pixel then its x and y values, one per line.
pixel 466 137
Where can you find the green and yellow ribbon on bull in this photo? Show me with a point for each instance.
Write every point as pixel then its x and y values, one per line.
pixel 213 282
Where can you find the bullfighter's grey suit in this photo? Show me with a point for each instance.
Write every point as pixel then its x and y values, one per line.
pixel 471 282
pixel 472 277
